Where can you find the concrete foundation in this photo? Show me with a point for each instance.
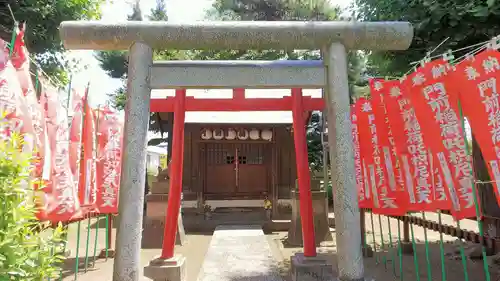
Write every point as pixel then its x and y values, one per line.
pixel 310 269
pixel 153 233
pixel 407 248
pixel 156 205
pixel 110 254
pixel 160 187
pixel 367 251
pixel 173 269
pixel 320 209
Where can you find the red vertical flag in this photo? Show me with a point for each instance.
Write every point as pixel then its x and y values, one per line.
pixel 75 146
pixel 60 190
pixel 410 147
pixel 394 173
pixel 109 143
pixel 385 200
pixel 444 134
pixel 14 113
pixel 363 193
pixel 20 61
pixel 86 183
pixel 479 82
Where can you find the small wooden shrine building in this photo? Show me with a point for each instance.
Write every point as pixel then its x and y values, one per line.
pixel 233 159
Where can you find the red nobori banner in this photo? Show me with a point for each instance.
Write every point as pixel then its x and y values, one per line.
pixel 87 191
pixel 14 112
pixel 60 191
pixel 363 193
pixel 75 135
pixel 20 61
pixel 413 155
pixel 385 200
pixel 479 82
pixel 394 173
pixel 439 117
pixel 109 154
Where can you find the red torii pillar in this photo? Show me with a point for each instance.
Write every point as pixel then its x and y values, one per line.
pixel 303 175
pixel 174 194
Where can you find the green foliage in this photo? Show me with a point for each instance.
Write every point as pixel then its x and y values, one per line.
pixel 115 63
pixel 464 22
pixel 267 10
pixel 159 13
pixel 274 10
pixel 42 19
pixel 25 254
pixel 281 10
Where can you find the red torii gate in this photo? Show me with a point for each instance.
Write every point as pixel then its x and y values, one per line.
pixel 179 104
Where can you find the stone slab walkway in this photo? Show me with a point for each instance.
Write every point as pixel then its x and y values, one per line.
pixel 239 253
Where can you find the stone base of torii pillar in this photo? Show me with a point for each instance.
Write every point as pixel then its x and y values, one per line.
pixel 173 269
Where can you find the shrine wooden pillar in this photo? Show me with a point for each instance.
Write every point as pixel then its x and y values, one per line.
pixel 174 195
pixel 303 175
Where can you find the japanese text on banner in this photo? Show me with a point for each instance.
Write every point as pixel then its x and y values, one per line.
pixel 444 135
pixel 108 161
pixel 480 102
pixel 61 192
pixel 384 199
pixel 410 147
pixel 387 142
pixel 363 193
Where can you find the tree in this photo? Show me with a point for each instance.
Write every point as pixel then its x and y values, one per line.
pixel 115 63
pixel 42 18
pixel 464 22
pixel 281 10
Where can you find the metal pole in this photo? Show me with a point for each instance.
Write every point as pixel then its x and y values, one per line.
pixel 303 175
pixel 347 218
pixel 127 263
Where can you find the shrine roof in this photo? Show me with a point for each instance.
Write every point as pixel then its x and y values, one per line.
pixel 248 117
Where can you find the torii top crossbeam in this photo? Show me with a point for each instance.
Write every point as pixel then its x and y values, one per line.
pixel 99 35
pixel 334 39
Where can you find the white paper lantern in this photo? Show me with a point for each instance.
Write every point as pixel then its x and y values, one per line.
pixel 218 134
pixel 254 134
pixel 206 134
pixel 266 135
pixel 231 134
pixel 242 134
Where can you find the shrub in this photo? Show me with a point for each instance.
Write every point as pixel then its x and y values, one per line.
pixel 25 253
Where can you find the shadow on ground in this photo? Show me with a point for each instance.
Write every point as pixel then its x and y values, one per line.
pixel 69 267
pixel 427 264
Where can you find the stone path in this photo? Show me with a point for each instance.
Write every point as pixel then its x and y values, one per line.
pixel 239 253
